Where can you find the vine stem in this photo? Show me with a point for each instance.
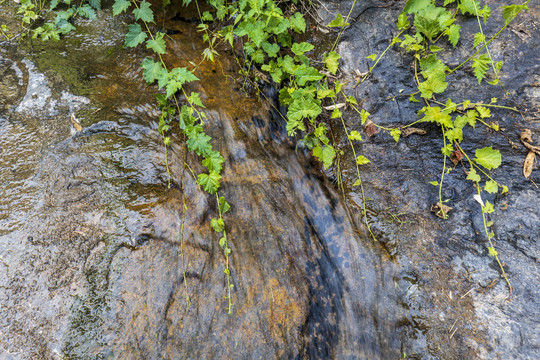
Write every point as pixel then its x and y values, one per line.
pixel 343 28
pixel 488 42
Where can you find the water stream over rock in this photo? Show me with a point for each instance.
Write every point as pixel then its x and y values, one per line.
pixel 91 258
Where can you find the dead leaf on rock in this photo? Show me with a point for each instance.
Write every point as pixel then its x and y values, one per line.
pixel 456 157
pixel 529 163
pixel 370 128
pixel 76 123
pixel 436 208
pixel 526 136
pixel 333 107
pixel 412 130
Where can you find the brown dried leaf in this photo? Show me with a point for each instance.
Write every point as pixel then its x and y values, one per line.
pixel 76 123
pixel 370 128
pixel 436 208
pixel 412 130
pixel 529 163
pixel 526 136
pixel 456 157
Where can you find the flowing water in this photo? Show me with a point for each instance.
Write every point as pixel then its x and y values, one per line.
pixel 92 262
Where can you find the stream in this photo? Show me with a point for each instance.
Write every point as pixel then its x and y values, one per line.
pixel 93 262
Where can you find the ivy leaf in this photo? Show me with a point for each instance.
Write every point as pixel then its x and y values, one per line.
pixel 431 20
pixel 96 4
pixel 354 135
pixel 271 49
pixel 331 61
pixel 510 12
pixel 372 57
pixel 492 251
pixel 304 108
pixel 338 22
pixel 120 6
pixel 214 162
pixel 223 205
pixel 135 35
pixel 361 160
pixel 491 187
pixel 298 23
pixel 488 158
pixel 481 66
pixel 414 5
pixel 209 182
pixel 402 23
pixel 153 70
pixel 395 133
pixel 469 7
pixel 484 112
pixel 300 48
pixel 326 155
pixel 218 225
pixel 453 34
pixel 488 208
pixel 473 176
pixel 478 39
pixel 364 115
pixel 200 143
pixel 144 12
pixel 157 44
pixel 307 73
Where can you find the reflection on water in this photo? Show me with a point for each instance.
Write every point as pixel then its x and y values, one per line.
pixel 90 233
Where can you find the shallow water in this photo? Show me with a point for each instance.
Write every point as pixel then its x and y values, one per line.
pixel 90 237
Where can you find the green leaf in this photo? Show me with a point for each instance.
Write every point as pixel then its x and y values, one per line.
pixel 209 182
pixel 447 150
pixel 481 66
pixel 484 112
pixel 434 114
pixel 298 23
pixel 307 73
pixel 326 155
pixel 223 205
pixel 471 7
pixel 331 61
pixel 473 176
pixel 395 133
pixel 304 108
pixel 214 162
pixel 354 135
pixel 135 35
pixel 87 12
pixel 222 242
pixel 361 160
pixel 491 187
pixel 300 48
pixel 504 189
pixel 157 44
pixel 200 143
pixel 271 49
pixel 402 23
pixel 218 225
pixel 478 39
pixel 338 22
pixel 488 208
pixel 120 6
pixel 431 21
pixel 195 99
pixel 510 12
pixel 488 158
pixel 414 5
pixel 434 183
pixel 153 70
pixel 364 115
pixel 434 71
pixel 372 57
pixel 144 12
pixel 336 114
pixel 492 251
pixel 453 34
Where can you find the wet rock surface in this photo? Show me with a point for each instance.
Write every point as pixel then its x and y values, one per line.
pixel 92 261
pixel 457 293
